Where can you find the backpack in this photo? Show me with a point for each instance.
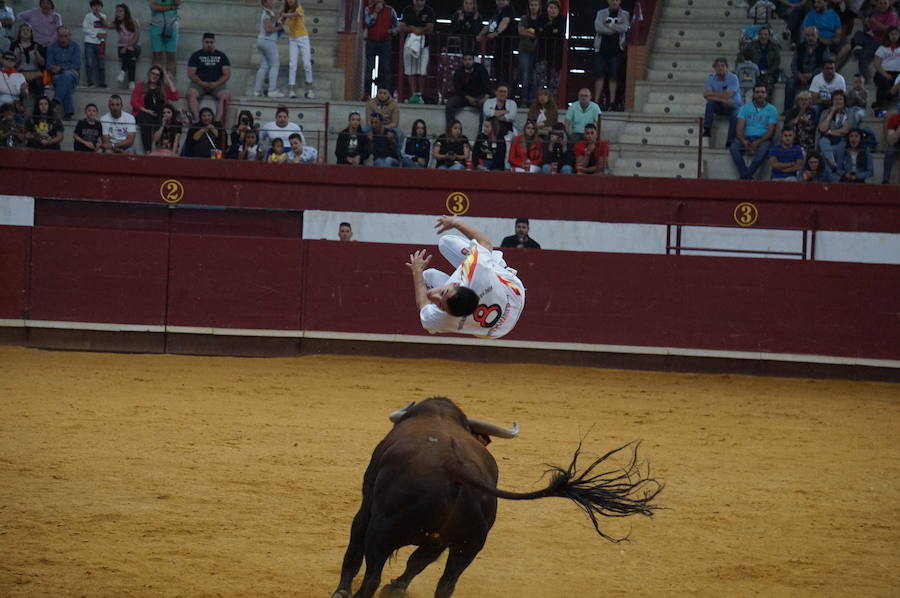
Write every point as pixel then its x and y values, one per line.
pixel 761 11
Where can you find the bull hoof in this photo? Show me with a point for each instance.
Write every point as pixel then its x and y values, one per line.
pixel 392 591
pixel 341 594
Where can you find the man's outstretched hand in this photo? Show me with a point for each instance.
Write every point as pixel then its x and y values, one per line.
pixel 418 261
pixel 445 223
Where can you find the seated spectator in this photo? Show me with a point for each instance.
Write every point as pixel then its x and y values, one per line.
pixel 43 22
pixel 793 12
pixel 129 30
pixel 611 26
pixel 857 165
pixel 766 55
pixel 589 156
pixel 786 158
pixel 384 104
pixel 12 129
pixel 169 127
pixel 815 170
pixel 206 138
pixel 417 22
pixel 892 145
pixel 451 150
pixel 466 23
pixel 865 43
pixel 209 71
pixel 385 151
pixel 94 27
pixel 43 130
pixel 163 148
pixel 887 69
pixel 833 128
pixel 753 133
pixel 526 153
pixel 280 128
pixel 29 60
pixel 471 85
pixel 119 128
pixel 298 43
pixel 500 33
pixel 299 153
pixel 89 131
pixel 581 113
pixel 809 57
pixel 250 149
pixel 529 28
pixel 64 63
pixel 857 100
pixel 13 86
pixel 238 132
pixel 489 149
pixel 521 238
pixel 277 155
pixel 417 149
pixel 802 118
pixel 352 145
pixel 503 109
pixel 544 112
pixel 827 23
pixel 824 85
pixel 723 96
pixel 345 232
pixel 558 156
pixel 147 101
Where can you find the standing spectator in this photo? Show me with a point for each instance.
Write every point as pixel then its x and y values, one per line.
pixel 526 153
pixel 417 22
pixel 723 96
pixel 129 30
pixel 147 101
pixel 827 23
pixel 471 85
pixel 557 153
pixel 417 149
pixel 802 118
pixel 521 238
pixel 892 146
pixel 345 232
pixel 280 128
pixel 170 128
pixel 887 68
pixel 786 159
pixel 385 151
pixel 64 64
pixel 44 23
pixel 209 71
pixel 13 86
pixel 119 128
pixel 299 153
pixel 866 43
pixel 89 131
pixel 12 129
pixel 589 158
pixel 164 32
pixel 814 170
pixel 755 128
pixel 466 23
pixel 352 145
pixel 43 130
pixel 529 28
pixel 206 138
pixel 7 18
pixel 295 25
pixel 94 27
pixel 489 149
pixel 29 60
pixel 544 112
pixel 824 85
pixel 833 128
pixel 551 45
pixel 503 109
pixel 381 23
pixel 451 150
pixel 857 165
pixel 766 55
pixel 267 44
pixel 857 100
pixel 581 113
pixel 501 31
pixel 809 58
pixel 611 24
pixel 793 13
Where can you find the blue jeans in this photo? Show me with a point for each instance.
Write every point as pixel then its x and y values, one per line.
pixel 410 163
pixel 526 75
pixel 564 169
pixel 64 90
pixel 386 162
pixel 93 65
pixel 759 156
pixel 713 108
pixel 456 166
pixel 383 51
pixel 268 64
pixel 832 151
pixel 890 156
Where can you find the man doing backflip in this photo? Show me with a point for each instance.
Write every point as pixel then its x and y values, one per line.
pixel 482 297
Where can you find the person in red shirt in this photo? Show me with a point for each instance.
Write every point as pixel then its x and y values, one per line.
pixel 381 23
pixel 589 155
pixel 892 143
pixel 526 153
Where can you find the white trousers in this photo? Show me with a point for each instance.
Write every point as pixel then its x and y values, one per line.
pixel 454 249
pixel 300 45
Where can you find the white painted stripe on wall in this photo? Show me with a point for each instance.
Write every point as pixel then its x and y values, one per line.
pixel 16 210
pixel 235 331
pixel 104 326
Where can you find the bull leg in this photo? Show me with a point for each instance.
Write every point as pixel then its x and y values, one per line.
pixel 457 561
pixel 377 554
pixel 418 560
pixel 354 556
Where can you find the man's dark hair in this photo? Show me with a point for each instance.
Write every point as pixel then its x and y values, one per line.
pixel 468 53
pixel 94 105
pixel 827 61
pixel 522 221
pixel 501 84
pixel 293 136
pixel 281 109
pixel 590 126
pixel 463 302
pixel 347 224
pixel 115 96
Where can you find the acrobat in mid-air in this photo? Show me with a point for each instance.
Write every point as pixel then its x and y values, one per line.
pixel 482 297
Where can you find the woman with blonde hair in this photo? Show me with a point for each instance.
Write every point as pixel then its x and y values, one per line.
pixel 544 112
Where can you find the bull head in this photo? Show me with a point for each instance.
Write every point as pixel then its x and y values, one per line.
pixel 476 425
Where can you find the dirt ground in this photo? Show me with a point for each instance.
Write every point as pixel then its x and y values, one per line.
pixel 162 475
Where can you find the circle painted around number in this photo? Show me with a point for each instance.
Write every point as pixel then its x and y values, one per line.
pixel 457 203
pixel 171 191
pixel 746 214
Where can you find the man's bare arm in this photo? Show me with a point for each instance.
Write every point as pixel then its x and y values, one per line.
pixel 445 223
pixel 417 263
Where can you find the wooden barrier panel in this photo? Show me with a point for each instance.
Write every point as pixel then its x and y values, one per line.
pixel 15 246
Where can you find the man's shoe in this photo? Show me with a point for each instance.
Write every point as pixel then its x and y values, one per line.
pixel 274 93
pixel 310 94
pixel 121 77
pixel 292 92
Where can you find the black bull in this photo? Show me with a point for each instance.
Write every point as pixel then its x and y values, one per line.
pixel 433 484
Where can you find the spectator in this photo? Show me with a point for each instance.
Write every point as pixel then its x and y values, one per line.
pixel 119 128
pixel 169 127
pixel 747 73
pixel 299 153
pixel 250 149
pixel 521 238
pixel 857 164
pixel 345 232
pixel 267 43
pixel 12 129
pixel 471 85
pixel 451 150
pixel 129 30
pixel 529 28
pixel 611 24
pixel 589 158
pixel 164 32
pixel 94 27
pixel 766 55
pixel 814 170
pixel 802 118
pixel 381 23
pixel 857 100
pixel 388 108
pixel 43 130
pixel 580 114
pixel 793 13
pixel 503 109
pixel 64 63
pixel 544 112
pixel 526 153
pixel 7 18
pixel 827 24
pixel 280 128
pixel 29 60
pixel 865 43
pixel 417 149
pixel 489 150
pixel 147 101
pixel 887 68
pixel 163 148
pixel 206 138
pixel 385 151
pixel 13 86
pixel 892 145
pixel 786 159
pixel 723 96
pixel 44 23
pixel 466 23
pixel 809 58
pixel 244 124
pixel 824 85
pixel 558 156
pixel 295 25
pixel 833 128
pixel 277 155
pixel 89 131
pixel 755 128
pixel 501 31
pixel 551 45
pixel 209 71
pixel 352 146
pixel 417 22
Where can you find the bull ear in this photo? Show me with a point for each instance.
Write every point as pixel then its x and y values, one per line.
pixel 399 413
pixel 483 427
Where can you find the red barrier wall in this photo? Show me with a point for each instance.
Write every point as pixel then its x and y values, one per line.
pixel 15 245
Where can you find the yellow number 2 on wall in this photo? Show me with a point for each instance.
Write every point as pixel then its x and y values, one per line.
pixel 171 191
pixel 745 214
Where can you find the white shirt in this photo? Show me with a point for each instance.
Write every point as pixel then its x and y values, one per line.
pixel 825 88
pixel 8 13
pixel 118 128
pixel 490 106
pixel 501 297
pixel 308 155
pixel 890 58
pixel 271 130
pixel 11 87
pixel 91 27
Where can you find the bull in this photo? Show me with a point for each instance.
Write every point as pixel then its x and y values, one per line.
pixel 432 483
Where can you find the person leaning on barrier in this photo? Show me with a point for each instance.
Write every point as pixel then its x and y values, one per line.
pixel 345 232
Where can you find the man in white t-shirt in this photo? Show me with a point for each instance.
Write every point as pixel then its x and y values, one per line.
pixel 824 84
pixel 280 128
pixel 483 297
pixel 119 128
pixel 13 87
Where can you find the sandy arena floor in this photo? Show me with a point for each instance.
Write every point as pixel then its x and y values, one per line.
pixel 160 475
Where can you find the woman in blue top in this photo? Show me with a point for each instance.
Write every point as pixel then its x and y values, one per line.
pixel 857 164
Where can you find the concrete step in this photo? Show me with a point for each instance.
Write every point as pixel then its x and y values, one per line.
pixel 738 4
pixel 727 14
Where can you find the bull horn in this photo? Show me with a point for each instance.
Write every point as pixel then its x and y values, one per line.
pixel 482 427
pixel 399 413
